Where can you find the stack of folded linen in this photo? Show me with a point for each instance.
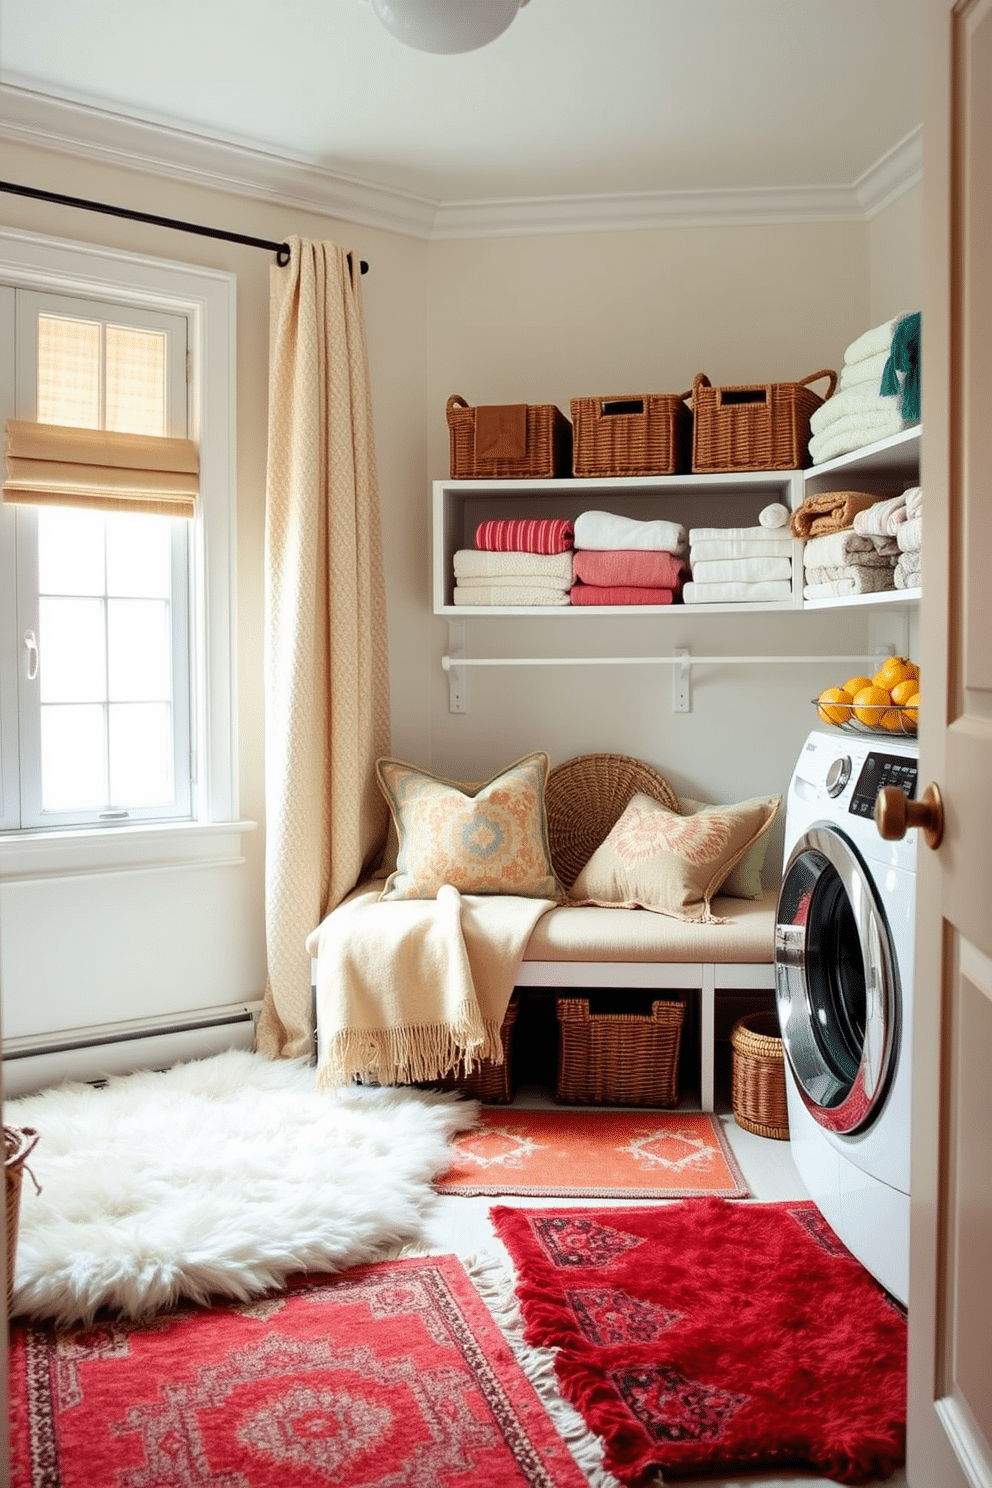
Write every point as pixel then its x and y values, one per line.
pixel 742 565
pixel 842 563
pixel 910 540
pixel 516 562
pixel 829 511
pixel 877 394
pixel 621 561
pixel 883 518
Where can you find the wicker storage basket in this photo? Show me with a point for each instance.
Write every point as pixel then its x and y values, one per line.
pixel 618 1059
pixel 543 450
pixel 763 427
pixel 642 434
pixel 584 799
pixel 18 1141
pixel 490 1083
pixel 757 1082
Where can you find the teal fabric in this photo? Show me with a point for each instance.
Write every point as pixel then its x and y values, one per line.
pixel 904 356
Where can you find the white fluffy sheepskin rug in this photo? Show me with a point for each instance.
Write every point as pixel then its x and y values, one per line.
pixel 218 1177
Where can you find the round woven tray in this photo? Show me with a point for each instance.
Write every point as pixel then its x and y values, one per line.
pixel 586 796
pixel 757 1086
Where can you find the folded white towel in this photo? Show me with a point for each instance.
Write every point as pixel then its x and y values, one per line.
pixel 856 578
pixel 765 593
pixel 498 595
pixel 907 572
pixel 914 501
pixel 860 399
pixel 774 515
pixel 853 432
pixel 868 369
pixel 910 535
pixel 604 531
pixel 734 534
pixel 871 342
pixel 848 546
pixel 882 519
pixel 741 570
pixel 740 547
pixel 478 563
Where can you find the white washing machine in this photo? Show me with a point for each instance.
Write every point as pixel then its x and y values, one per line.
pixel 844 942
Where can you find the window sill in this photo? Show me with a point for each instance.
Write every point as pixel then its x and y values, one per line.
pixel 132 849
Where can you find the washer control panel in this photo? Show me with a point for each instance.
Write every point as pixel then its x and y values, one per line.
pixel 878 771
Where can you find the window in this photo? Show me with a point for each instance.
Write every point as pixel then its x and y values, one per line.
pixel 103 697
pixel 132 639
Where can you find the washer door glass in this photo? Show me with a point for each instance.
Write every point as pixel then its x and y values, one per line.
pixel 835 977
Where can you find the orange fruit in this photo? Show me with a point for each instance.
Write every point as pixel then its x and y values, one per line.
pixel 870 703
pixel 903 691
pixel 834 705
pixel 911 710
pixel 894 669
pixel 855 684
pixel 891 719
pixel 912 669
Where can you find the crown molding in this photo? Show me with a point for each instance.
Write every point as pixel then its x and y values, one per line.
pixel 89 133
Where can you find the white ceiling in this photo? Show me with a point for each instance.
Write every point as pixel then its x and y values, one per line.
pixel 615 111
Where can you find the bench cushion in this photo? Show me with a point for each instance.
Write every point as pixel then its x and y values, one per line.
pixel 594 933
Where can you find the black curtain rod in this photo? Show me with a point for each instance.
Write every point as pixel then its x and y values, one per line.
pixel 281 250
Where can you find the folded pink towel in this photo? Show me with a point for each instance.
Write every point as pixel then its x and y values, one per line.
pixel 629 568
pixel 534 535
pixel 619 594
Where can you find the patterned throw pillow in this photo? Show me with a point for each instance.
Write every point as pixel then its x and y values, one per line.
pixel 743 881
pixel 485 839
pixel 656 859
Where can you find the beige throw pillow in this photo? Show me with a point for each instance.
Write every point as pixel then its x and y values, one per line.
pixel 744 880
pixel 656 859
pixel 485 839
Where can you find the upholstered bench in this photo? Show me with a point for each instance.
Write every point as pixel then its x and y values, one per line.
pixel 587 946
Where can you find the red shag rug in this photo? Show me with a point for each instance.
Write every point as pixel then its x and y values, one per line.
pixel 706 1337
pixel 593 1155
pixel 386 1376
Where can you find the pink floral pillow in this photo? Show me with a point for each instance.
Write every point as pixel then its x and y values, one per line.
pixel 486 839
pixel 656 859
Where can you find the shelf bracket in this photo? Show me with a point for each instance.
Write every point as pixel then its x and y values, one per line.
pixel 682 682
pixel 457 701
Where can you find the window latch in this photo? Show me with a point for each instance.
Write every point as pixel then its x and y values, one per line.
pixel 31 647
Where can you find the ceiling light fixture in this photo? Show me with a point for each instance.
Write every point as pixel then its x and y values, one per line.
pixel 446 25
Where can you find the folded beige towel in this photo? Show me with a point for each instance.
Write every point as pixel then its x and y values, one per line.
pixel 871 342
pixel 849 547
pixel 914 501
pixel 861 399
pixel 853 432
pixel 496 595
pixel 741 570
pixel 768 592
pixel 479 563
pixel 853 578
pixel 830 511
pixel 908 571
pixel 868 369
pixel 910 535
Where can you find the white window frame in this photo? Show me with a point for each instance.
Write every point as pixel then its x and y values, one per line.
pixel 208 297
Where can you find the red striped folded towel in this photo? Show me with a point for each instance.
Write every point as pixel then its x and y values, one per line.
pixel 619 594
pixel 535 535
pixel 629 568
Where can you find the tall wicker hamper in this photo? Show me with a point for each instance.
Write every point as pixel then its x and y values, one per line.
pixel 619 1059
pixel 764 426
pixel 545 452
pixel 18 1141
pixel 491 1083
pixel 757 1081
pixel 641 434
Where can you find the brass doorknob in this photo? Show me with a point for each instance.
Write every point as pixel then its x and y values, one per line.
pixel 895 814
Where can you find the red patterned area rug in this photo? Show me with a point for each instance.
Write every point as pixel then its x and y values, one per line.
pixel 594 1155
pixel 387 1376
pixel 704 1338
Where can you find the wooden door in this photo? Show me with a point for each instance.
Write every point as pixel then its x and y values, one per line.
pixel 950 1314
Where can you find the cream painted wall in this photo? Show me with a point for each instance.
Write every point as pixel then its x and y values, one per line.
pixel 525 319
pixel 895 273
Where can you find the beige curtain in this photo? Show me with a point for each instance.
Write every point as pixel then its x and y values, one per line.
pixel 326 675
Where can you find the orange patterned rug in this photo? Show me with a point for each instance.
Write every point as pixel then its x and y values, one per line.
pixel 594 1154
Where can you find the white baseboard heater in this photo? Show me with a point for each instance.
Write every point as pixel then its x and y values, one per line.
pixel 35 1061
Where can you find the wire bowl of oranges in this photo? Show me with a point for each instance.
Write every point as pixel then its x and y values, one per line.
pixel 888 703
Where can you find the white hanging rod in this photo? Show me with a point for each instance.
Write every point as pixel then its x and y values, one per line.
pixel 448 662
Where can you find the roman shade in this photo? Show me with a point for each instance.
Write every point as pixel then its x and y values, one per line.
pixel 55 465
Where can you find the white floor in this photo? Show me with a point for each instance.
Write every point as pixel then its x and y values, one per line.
pixel 462 1225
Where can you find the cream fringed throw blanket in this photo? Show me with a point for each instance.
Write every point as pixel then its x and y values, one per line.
pixel 409 989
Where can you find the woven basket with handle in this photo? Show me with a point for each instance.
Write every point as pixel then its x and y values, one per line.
pixel 619 1059
pixel 761 427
